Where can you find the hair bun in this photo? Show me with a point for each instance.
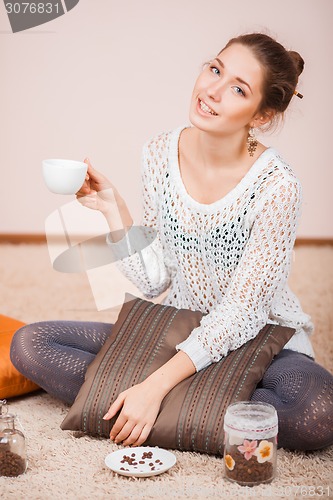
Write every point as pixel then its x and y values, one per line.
pixel 297 60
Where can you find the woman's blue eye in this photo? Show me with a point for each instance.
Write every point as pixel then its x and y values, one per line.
pixel 239 91
pixel 215 70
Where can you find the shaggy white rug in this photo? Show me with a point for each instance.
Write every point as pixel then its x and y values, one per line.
pixel 65 465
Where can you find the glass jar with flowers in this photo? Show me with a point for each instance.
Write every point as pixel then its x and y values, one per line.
pixel 250 451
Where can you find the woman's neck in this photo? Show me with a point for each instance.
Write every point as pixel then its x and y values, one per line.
pixel 211 166
pixel 222 152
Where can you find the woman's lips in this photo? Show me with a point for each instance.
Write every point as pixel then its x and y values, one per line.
pixel 205 109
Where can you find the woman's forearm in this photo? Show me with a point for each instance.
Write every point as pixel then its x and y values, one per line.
pixel 119 220
pixel 178 368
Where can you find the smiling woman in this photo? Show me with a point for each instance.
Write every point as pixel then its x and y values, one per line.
pixel 230 88
pixel 225 210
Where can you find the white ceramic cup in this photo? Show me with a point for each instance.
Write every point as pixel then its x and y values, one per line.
pixel 64 176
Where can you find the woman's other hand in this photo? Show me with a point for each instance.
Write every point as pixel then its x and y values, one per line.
pixel 139 406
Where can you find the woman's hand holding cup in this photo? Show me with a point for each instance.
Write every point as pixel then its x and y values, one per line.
pixel 98 193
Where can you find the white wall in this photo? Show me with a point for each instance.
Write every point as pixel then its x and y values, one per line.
pixel 102 79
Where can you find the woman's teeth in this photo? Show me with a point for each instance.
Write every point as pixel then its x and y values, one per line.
pixel 206 108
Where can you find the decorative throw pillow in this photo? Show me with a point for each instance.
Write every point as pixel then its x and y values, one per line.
pixel 191 415
pixel 12 382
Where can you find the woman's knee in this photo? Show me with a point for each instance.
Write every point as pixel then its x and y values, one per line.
pixel 307 430
pixel 23 346
pixel 302 393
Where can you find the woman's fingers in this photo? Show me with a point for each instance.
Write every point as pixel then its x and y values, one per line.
pixel 133 436
pixel 115 407
pixel 137 438
pixel 93 181
pixel 129 432
pixel 118 427
pixel 96 180
pixel 143 436
pixel 138 408
pixel 88 200
pixel 125 431
pixel 85 188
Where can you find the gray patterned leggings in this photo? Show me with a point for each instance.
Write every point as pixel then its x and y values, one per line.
pixel 56 354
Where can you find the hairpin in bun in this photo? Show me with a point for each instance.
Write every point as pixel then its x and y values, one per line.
pixel 298 94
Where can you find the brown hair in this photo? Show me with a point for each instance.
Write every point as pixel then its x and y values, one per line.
pixel 281 69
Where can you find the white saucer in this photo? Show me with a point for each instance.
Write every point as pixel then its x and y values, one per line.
pixel 159 461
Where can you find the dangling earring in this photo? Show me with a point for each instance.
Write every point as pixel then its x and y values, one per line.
pixel 251 142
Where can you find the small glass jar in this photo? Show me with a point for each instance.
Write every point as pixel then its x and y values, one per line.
pixel 13 458
pixel 250 450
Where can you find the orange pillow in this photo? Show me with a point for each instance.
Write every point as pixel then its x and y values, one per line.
pixel 12 382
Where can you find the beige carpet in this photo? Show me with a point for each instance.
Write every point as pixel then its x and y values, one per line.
pixel 64 466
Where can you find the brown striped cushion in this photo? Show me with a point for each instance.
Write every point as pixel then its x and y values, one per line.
pixel 191 416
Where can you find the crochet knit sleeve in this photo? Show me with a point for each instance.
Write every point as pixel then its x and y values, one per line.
pixel 148 269
pixel 262 270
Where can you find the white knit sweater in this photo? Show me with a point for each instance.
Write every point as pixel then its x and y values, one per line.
pixel 229 259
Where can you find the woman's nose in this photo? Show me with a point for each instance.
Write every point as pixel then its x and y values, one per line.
pixel 215 90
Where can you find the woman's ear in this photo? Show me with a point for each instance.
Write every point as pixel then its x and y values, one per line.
pixel 262 118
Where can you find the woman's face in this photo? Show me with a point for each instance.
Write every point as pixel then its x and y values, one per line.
pixel 227 94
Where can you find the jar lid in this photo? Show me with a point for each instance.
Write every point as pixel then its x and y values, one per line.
pixel 249 419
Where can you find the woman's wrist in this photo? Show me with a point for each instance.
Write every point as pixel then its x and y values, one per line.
pixel 118 218
pixel 125 215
